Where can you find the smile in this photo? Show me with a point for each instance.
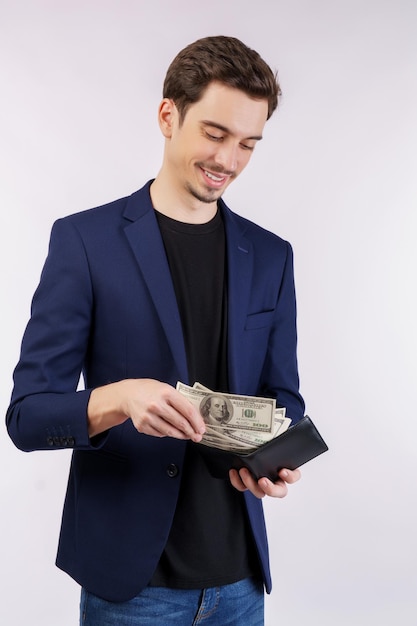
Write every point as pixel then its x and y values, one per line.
pixel 217 179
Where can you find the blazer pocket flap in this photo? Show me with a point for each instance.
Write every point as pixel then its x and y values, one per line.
pixel 259 320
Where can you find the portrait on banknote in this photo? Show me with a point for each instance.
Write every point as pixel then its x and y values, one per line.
pixel 216 409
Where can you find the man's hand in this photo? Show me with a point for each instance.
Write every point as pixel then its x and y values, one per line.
pixel 243 480
pixel 155 408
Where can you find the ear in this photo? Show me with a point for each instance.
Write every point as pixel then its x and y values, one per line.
pixel 166 114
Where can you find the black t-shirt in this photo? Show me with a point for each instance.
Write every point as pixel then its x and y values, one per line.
pixel 210 543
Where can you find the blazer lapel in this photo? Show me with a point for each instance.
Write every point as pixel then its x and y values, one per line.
pixel 146 242
pixel 240 268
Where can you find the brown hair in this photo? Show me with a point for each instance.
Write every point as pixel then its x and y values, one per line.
pixel 223 59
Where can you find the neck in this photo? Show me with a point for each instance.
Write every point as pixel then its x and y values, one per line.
pixel 179 204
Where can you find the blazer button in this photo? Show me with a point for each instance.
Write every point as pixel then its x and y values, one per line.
pixel 172 470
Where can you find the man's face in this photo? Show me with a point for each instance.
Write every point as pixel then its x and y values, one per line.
pixel 218 409
pixel 214 142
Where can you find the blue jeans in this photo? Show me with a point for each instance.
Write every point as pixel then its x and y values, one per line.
pixel 239 604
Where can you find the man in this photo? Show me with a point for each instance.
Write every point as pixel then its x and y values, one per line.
pixel 125 297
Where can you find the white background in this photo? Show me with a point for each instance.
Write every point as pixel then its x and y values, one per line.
pixel 335 174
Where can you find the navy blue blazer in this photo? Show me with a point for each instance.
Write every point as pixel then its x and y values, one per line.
pixel 105 308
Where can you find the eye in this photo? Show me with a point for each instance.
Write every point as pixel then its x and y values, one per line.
pixel 244 146
pixel 214 137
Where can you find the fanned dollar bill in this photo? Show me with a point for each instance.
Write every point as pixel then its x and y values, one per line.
pixel 236 423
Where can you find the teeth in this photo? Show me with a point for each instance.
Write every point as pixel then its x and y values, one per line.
pixel 213 177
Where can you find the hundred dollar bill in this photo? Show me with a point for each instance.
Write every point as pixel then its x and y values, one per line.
pixel 236 436
pixel 238 412
pixel 235 440
pixel 218 435
pixel 281 423
pixel 240 440
pixel 225 444
pixel 243 438
pixel 202 387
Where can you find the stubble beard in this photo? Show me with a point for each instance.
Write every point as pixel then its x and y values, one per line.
pixel 212 195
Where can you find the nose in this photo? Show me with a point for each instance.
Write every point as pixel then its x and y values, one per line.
pixel 227 157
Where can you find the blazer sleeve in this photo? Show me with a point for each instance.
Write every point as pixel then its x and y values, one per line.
pixel 46 410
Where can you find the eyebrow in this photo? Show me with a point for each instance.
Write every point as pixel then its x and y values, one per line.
pixel 227 130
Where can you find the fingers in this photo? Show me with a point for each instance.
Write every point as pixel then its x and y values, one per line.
pixel 243 480
pixel 290 476
pixel 277 489
pixel 185 416
pixel 158 427
pixel 236 480
pixel 160 423
pixel 159 410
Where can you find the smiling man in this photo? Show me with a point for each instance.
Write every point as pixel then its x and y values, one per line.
pixel 207 148
pixel 164 285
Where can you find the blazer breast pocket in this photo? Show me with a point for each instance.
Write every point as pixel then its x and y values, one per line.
pixel 259 320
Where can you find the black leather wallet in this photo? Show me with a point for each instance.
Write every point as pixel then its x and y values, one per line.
pixel 299 444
